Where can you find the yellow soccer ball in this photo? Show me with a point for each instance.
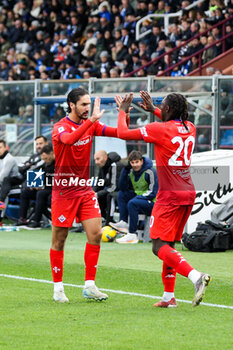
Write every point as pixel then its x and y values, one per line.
pixel 108 234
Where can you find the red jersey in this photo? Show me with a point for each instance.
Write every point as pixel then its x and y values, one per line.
pixel 173 148
pixel 72 155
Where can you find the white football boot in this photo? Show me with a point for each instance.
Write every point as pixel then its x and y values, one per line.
pixel 92 292
pixel 60 296
pixel 129 238
pixel 121 226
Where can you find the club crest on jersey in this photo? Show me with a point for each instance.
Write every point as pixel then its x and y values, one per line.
pixel 83 141
pixel 62 218
pixel 61 129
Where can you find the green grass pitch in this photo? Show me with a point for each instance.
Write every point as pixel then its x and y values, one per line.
pixel 29 319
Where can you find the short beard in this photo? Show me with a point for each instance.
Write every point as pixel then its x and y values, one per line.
pixel 80 116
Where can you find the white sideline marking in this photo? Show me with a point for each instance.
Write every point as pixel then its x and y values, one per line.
pixel 113 291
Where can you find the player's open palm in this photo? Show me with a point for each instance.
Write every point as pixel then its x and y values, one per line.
pixel 97 113
pixel 147 104
pixel 124 103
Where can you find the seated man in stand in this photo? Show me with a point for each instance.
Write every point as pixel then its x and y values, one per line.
pixel 110 168
pixel 41 195
pixel 9 174
pixel 35 161
pixel 7 182
pixel 138 186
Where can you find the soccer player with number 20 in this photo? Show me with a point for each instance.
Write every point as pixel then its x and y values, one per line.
pixel 173 141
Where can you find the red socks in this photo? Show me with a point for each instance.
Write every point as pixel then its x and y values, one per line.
pixel 56 259
pixel 174 259
pixel 91 257
pixel 168 278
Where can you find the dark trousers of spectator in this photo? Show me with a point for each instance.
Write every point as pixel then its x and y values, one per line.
pixel 105 203
pixel 7 184
pixel 131 206
pixel 42 198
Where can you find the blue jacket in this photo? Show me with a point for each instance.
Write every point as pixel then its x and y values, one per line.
pixel 125 183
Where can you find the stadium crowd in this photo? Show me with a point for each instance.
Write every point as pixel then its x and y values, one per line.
pixel 56 39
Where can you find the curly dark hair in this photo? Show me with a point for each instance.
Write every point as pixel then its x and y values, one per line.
pixel 179 107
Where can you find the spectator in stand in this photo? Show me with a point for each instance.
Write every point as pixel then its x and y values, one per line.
pixel 127 65
pixel 175 33
pixel 161 47
pixel 121 53
pixel 194 28
pixel 105 24
pixel 104 75
pixel 104 10
pixel 141 73
pixel 194 64
pixel 107 41
pixel 143 49
pixel 218 71
pixel 186 32
pixel 151 8
pixel 41 195
pixel 138 186
pixel 210 53
pixel 17 33
pixel 116 35
pixel 130 23
pixel 22 69
pixel 216 34
pixel 125 37
pixel 68 25
pixel 4 69
pixel 4 44
pixel 71 72
pixel 154 38
pixel 194 46
pixel 142 9
pixel 34 162
pixel 136 61
pixel 118 23
pixel 160 10
pixel 229 41
pixel 203 40
pixel 126 8
pixel 9 174
pixel 110 167
pixel 210 71
pixel 114 73
pixel 106 62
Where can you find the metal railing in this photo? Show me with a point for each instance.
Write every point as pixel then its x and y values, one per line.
pixel 197 90
pixel 165 17
pixel 197 36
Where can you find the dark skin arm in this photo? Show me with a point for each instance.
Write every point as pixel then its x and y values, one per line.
pixel 148 105
pixel 122 129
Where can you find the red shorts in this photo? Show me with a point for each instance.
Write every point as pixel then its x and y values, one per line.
pixel 168 221
pixel 64 211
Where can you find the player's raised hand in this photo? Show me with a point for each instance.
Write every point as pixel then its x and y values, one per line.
pixel 97 113
pixel 147 104
pixel 124 103
pixel 118 100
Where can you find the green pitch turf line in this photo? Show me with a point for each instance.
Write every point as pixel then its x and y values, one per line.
pixel 114 291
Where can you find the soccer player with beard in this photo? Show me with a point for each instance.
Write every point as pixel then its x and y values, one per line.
pixel 173 141
pixel 71 196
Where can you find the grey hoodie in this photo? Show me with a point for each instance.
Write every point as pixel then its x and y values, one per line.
pixel 8 167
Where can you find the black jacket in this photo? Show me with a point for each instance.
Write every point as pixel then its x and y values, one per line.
pixel 110 173
pixel 33 163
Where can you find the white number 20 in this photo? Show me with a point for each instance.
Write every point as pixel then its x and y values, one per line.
pixel 183 145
